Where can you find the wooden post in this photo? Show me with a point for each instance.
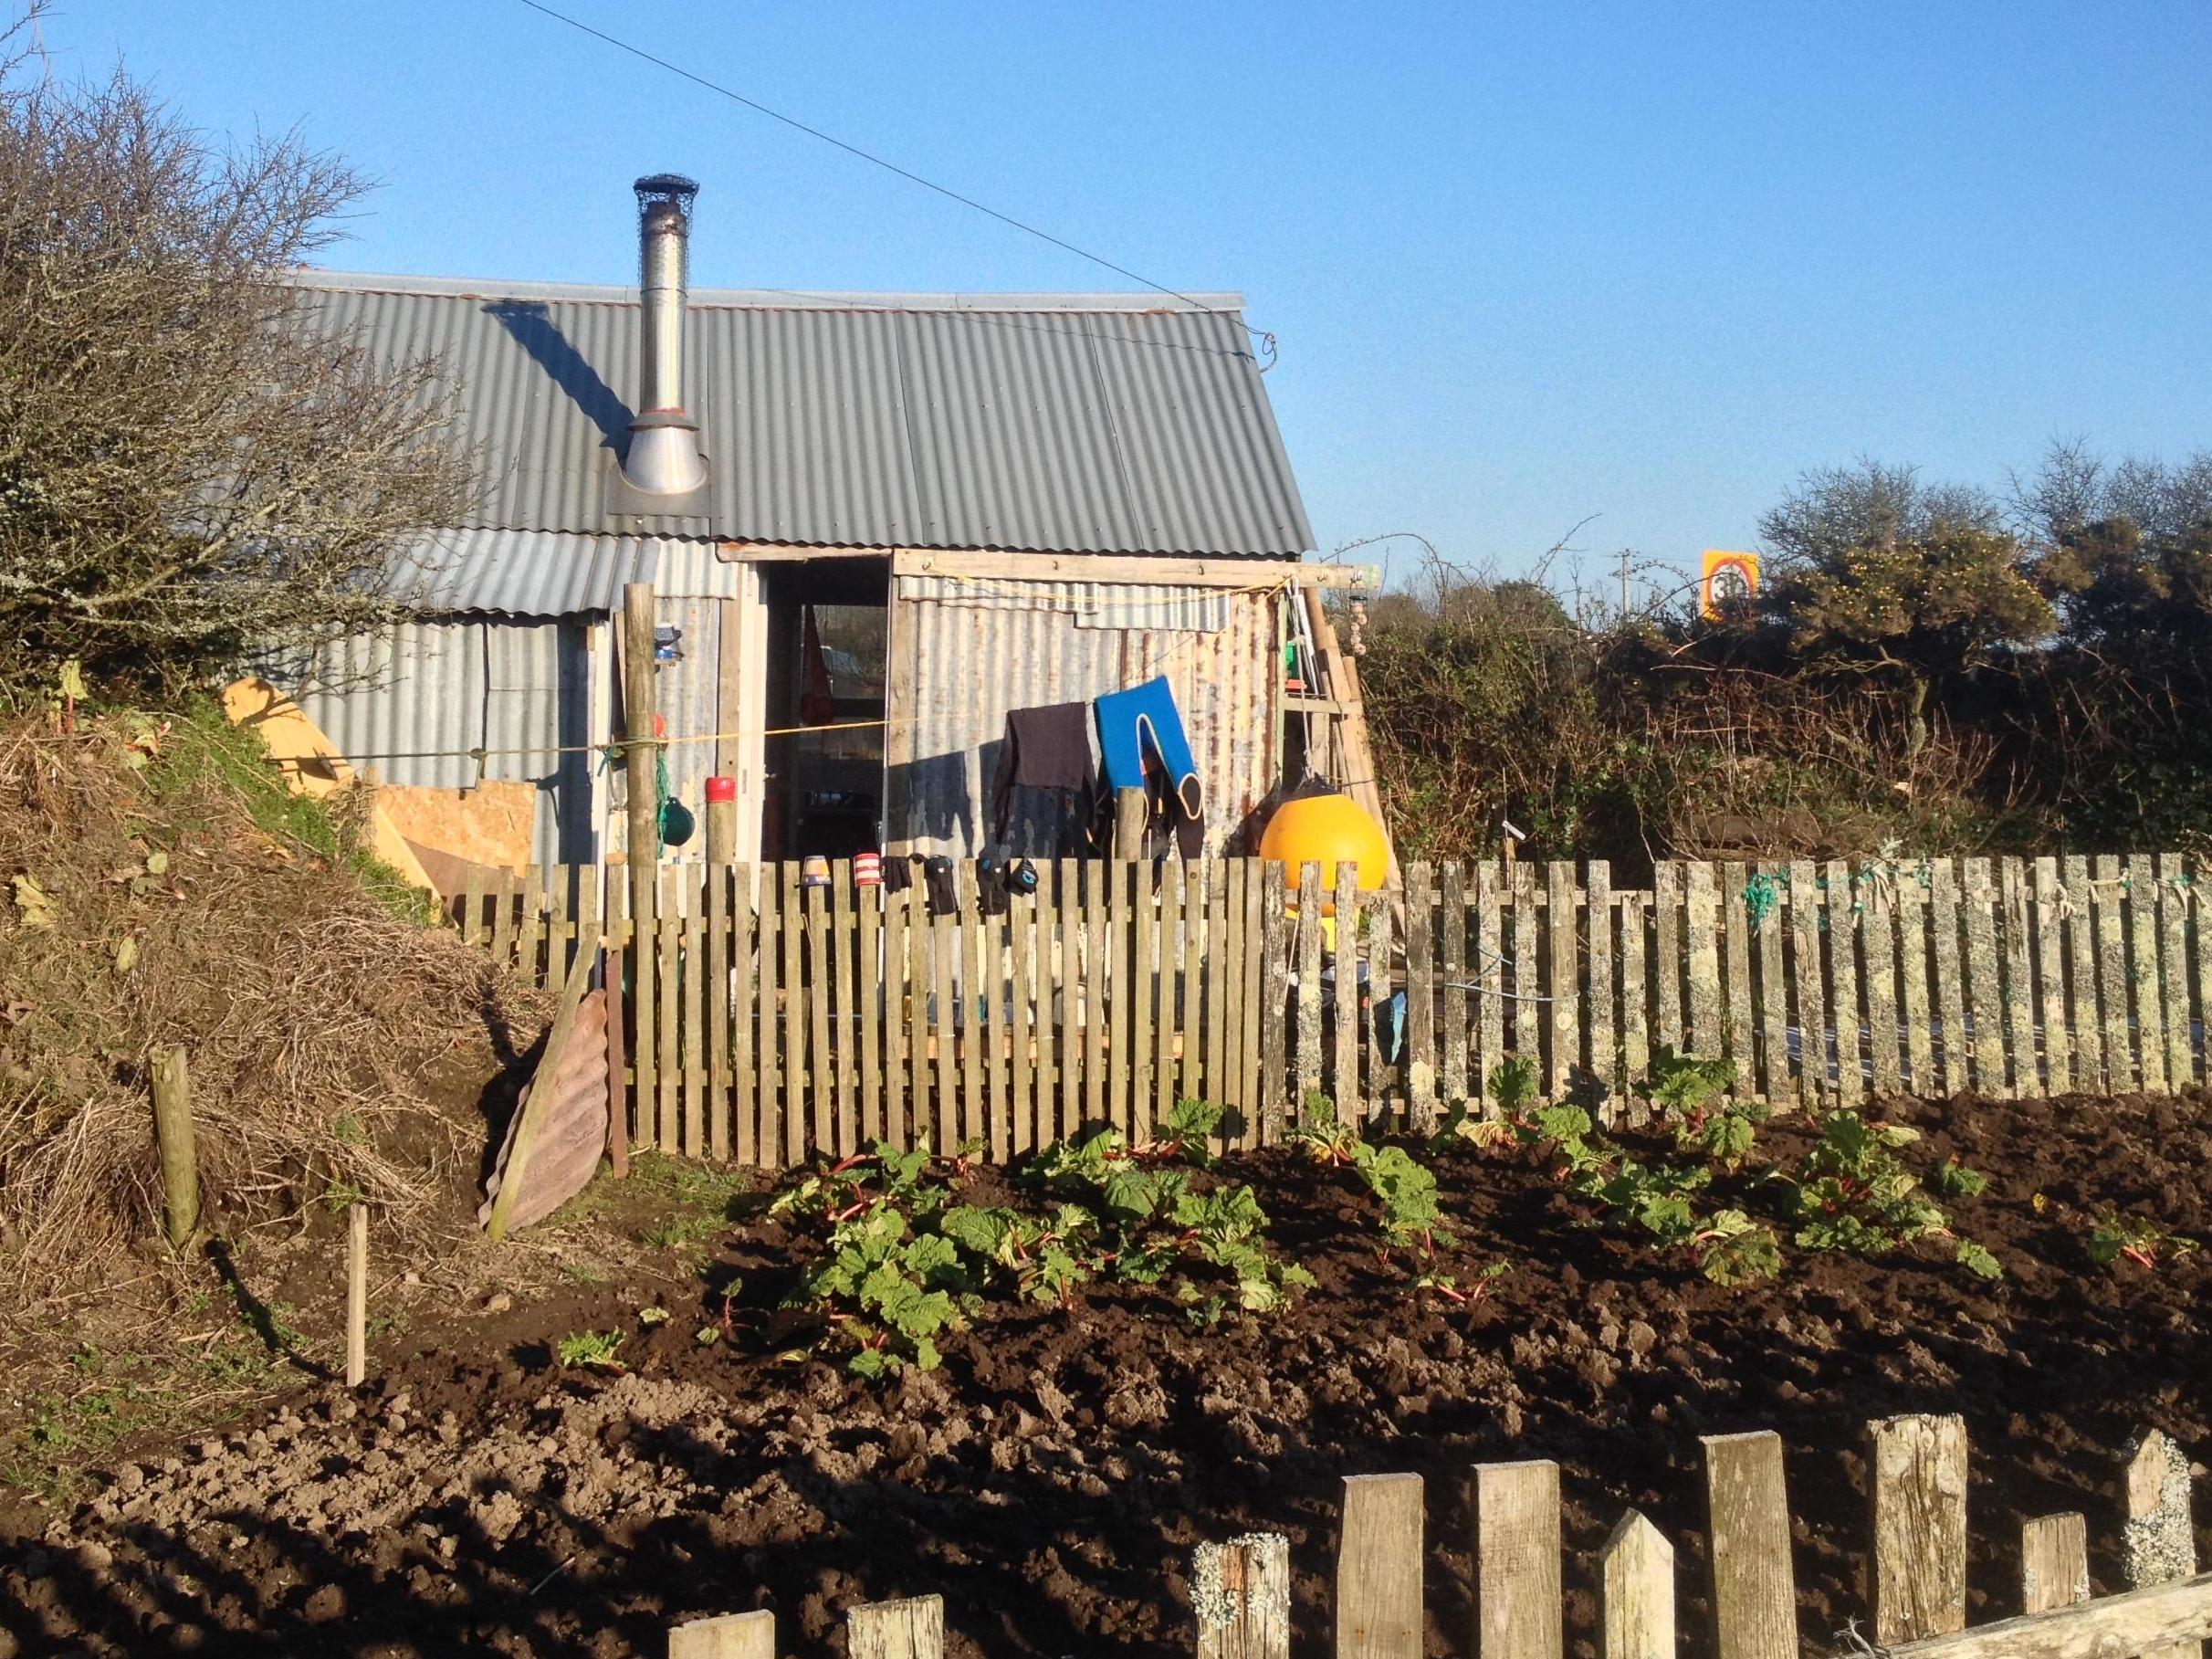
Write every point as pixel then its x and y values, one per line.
pixel 721 829
pixel 731 1636
pixel 911 1629
pixel 180 1158
pixel 1755 1596
pixel 1379 1568
pixel 1130 811
pixel 2157 1543
pixel 1636 1575
pixel 1240 1593
pixel 642 855
pixel 1517 1561
pixel 1920 1527
pixel 618 1062
pixel 357 1294
pixel 2054 1562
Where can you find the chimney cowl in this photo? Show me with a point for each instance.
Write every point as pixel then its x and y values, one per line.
pixel 663 457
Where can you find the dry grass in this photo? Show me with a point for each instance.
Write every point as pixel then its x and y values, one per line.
pixel 178 898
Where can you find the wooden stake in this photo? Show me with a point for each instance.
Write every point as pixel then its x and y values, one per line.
pixel 180 1158
pixel 1920 1527
pixel 1379 1568
pixel 911 1629
pixel 731 1636
pixel 1755 1596
pixel 357 1294
pixel 1517 1561
pixel 1240 1593
pixel 2054 1562
pixel 1636 1572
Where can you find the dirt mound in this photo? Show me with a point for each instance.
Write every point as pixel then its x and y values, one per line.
pixel 158 888
pixel 1053 1478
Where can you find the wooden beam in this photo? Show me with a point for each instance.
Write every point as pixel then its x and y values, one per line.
pixel 2138 1621
pixel 1163 571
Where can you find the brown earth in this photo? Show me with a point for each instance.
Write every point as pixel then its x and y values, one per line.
pixel 1053 1478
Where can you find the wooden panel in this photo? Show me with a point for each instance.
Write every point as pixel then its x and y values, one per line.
pixel 1738 1038
pixel 1598 932
pixel 1274 1001
pixel 1068 1045
pixel 1812 984
pixel 1344 1052
pixel 1913 979
pixel 645 1001
pixel 1775 1081
pixel 2143 972
pixel 1667 917
pixel 472 906
pixel 1218 970
pixel 1636 1590
pixel 768 1045
pixel 927 1111
pixel 1451 881
pixel 1255 1093
pixel 1635 1028
pixel 2019 994
pixel 671 1009
pixel 1023 938
pixel 1840 905
pixel 1308 958
pixel 1143 994
pixel 691 969
pixel 503 917
pixel 1121 1012
pixel 1379 1568
pixel 1755 1596
pixel 825 1106
pixel 1564 1056
pixel 911 1629
pixel 1194 1079
pixel 2174 969
pixel 1097 1059
pixel 1702 928
pixel 1879 932
pixel 871 974
pixel 2054 1562
pixel 1166 999
pixel 1527 971
pixel 989 996
pixel 731 1636
pixel 797 1081
pixel 716 966
pixel 744 1102
pixel 2084 1023
pixel 529 928
pixel 1919 1491
pixel 1240 1596
pixel 1375 930
pixel 1421 997
pixel 1950 978
pixel 1489 974
pixel 967 1026
pixel 1517 1561
pixel 2112 976
pixel 1985 993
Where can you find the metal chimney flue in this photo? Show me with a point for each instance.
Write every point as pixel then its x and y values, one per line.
pixel 663 458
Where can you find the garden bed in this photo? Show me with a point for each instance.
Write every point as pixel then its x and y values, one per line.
pixel 1052 1476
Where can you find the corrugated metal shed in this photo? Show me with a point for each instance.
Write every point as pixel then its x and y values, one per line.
pixel 552 574
pixel 942 748
pixel 1085 423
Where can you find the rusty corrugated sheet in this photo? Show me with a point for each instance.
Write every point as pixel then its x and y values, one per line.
pixel 1105 422
pixel 964 664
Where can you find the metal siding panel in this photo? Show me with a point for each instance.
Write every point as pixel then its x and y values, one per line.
pixel 529 573
pixel 973 663
pixel 389 701
pixel 1089 424
pixel 689 694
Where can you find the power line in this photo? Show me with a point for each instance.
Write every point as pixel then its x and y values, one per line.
pixel 870 156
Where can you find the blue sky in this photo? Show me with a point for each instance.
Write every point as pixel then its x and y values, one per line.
pixel 1526 264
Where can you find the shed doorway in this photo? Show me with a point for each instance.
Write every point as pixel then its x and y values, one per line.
pixel 827 661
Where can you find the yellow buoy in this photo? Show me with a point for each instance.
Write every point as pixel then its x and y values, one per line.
pixel 1327 830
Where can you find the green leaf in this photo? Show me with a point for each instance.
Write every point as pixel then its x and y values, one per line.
pixel 1977 1260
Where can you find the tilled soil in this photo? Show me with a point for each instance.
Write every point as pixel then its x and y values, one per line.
pixel 1051 1480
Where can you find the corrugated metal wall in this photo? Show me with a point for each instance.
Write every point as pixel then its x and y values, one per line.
pixel 964 654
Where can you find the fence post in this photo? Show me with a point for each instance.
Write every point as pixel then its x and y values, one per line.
pixel 1636 1574
pixel 180 1156
pixel 2054 1562
pixel 729 1636
pixel 1379 1568
pixel 642 855
pixel 1240 1593
pixel 357 1294
pixel 1517 1561
pixel 1920 1527
pixel 1755 1596
pixel 911 1629
pixel 2158 1543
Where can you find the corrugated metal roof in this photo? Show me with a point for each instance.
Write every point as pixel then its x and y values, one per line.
pixel 942 758
pixel 1082 423
pixel 552 574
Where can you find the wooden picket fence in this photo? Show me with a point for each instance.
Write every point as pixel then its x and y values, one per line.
pixel 771 1020
pixel 1240 1591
